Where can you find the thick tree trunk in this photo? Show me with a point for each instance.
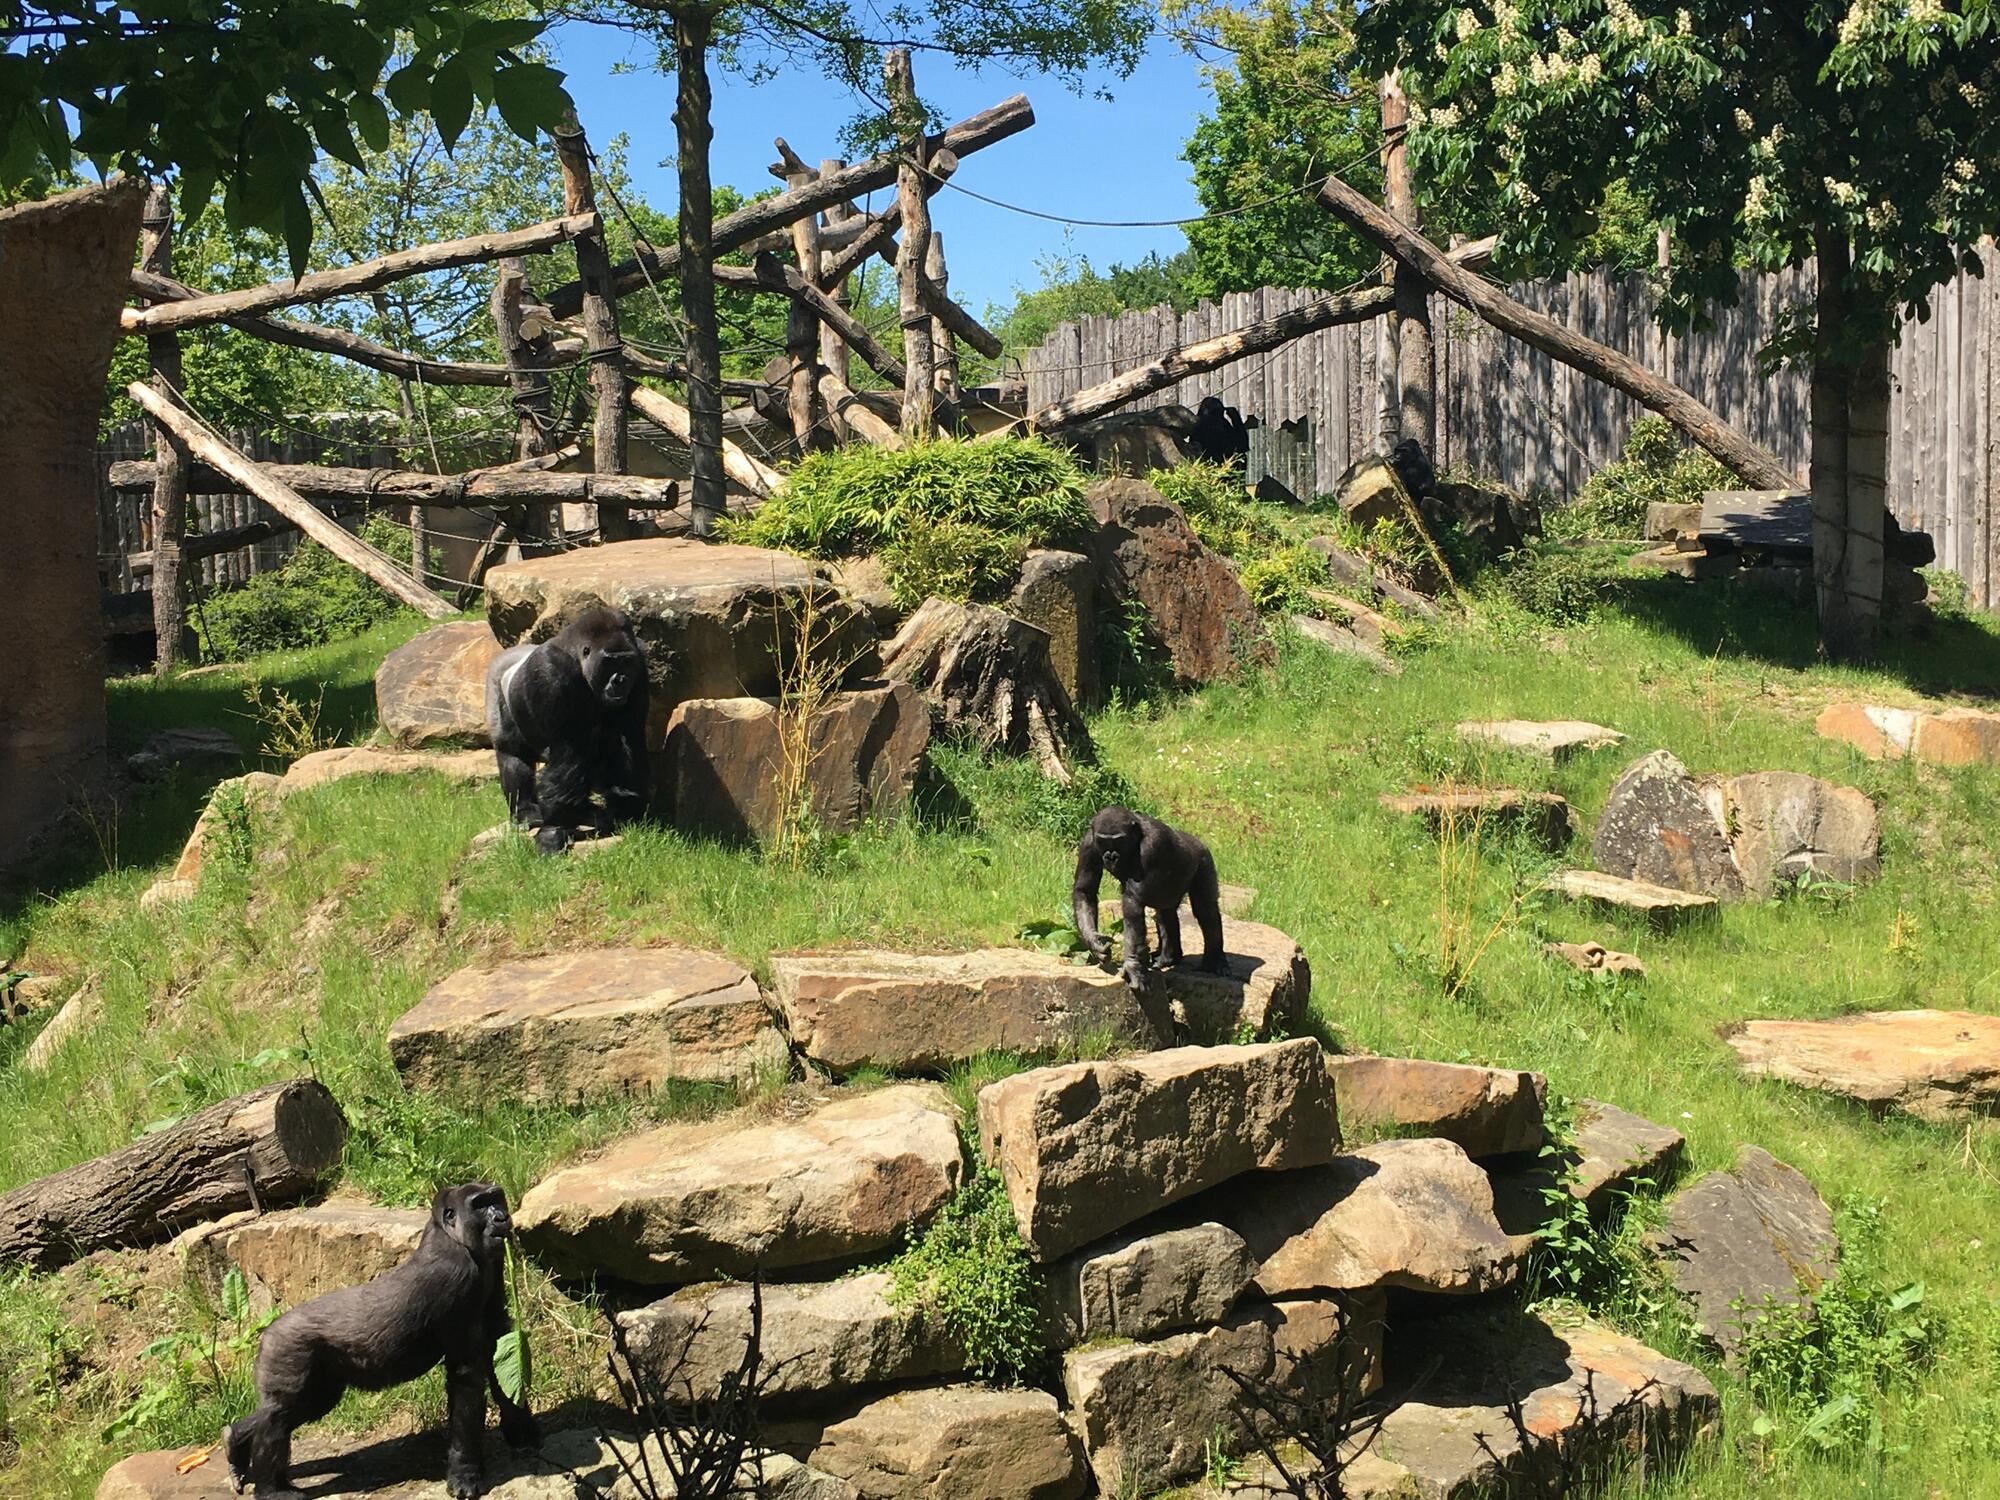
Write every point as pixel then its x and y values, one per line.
pixel 600 326
pixel 708 493
pixel 944 379
pixel 258 1150
pixel 919 390
pixel 845 406
pixel 170 492
pixel 534 400
pixel 1850 437
pixel 1416 377
pixel 802 325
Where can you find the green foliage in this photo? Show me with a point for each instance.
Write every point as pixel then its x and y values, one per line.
pixel 231 845
pixel 314 598
pixel 1950 596
pixel 1600 1266
pixel 1284 581
pixel 513 1358
pixel 1065 811
pixel 1072 289
pixel 198 1378
pixel 971 1272
pixel 1657 465
pixel 860 499
pixel 1561 585
pixel 952 560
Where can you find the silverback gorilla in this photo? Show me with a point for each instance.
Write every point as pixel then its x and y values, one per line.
pixel 447 1303
pixel 1220 434
pixel 1156 867
pixel 577 705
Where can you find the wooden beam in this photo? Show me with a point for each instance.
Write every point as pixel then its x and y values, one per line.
pixel 348 281
pixel 944 374
pixel 772 275
pixel 505 484
pixel 170 482
pixel 1752 464
pixel 748 473
pixel 287 502
pixel 608 383
pixel 802 323
pixel 919 380
pixel 855 413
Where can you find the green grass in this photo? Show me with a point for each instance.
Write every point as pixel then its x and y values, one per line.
pixel 313 953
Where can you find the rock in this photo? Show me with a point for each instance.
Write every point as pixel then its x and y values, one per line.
pixel 1879 733
pixel 1552 739
pixel 1610 1154
pixel 1595 958
pixel 1057 594
pixel 721 765
pixel 1374 628
pixel 1087 1148
pixel 1415 1214
pixel 1687 560
pixel 260 789
pixel 1148 1412
pixel 565 1026
pixel 1657 827
pixel 433 688
pixel 1756 1234
pixel 866 584
pixel 1236 901
pixel 734 1195
pixel 1147 1282
pixel 32 994
pixel 323 766
pixel 199 746
pixel 166 891
pixel 1950 737
pixel 1782 824
pixel 1545 815
pixel 1319 1344
pixel 920 1013
pixel 1485 1111
pixel 1495 521
pixel 1668 522
pixel 1344 641
pixel 1263 988
pixel 1663 906
pixel 1354 570
pixel 290 1257
pixel 1133 441
pixel 818 1338
pixel 1365 1476
pixel 1935 1064
pixel 954 1442
pixel 1196 610
pixel 1270 490
pixel 1371 492
pixel 80 1013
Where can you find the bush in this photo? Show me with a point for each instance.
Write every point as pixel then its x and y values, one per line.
pixel 1562 586
pixel 313 599
pixel 971 1272
pixel 1282 582
pixel 1657 464
pixel 1217 507
pixel 952 560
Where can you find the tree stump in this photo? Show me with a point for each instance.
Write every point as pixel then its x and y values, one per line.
pixel 987 674
pixel 260 1149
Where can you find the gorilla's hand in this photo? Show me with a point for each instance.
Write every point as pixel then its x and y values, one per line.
pixel 520 1428
pixel 1138 978
pixel 553 838
pixel 1100 949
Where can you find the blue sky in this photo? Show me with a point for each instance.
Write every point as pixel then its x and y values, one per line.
pixel 1084 157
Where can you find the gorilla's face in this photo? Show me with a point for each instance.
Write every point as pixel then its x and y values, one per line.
pixel 476 1216
pixel 1118 836
pixel 608 655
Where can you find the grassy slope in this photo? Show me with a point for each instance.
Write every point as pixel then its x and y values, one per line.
pixel 1280 774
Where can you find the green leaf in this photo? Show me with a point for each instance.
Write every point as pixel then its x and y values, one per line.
pixel 191 194
pixel 530 97
pixel 371 118
pixel 451 101
pixel 409 89
pixel 336 139
pixel 235 1296
pixel 513 1365
pixel 298 232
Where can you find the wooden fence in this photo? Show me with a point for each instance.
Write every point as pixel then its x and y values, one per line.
pixel 1517 416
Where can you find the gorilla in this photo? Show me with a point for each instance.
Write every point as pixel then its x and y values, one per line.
pixel 1155 866
pixel 447 1303
pixel 1219 433
pixel 577 704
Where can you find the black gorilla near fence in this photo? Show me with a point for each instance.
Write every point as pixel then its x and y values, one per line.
pixel 1219 434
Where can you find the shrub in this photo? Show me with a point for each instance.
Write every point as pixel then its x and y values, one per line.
pixel 1657 464
pixel 971 1272
pixel 1216 505
pixel 1561 586
pixel 952 560
pixel 1282 582
pixel 314 598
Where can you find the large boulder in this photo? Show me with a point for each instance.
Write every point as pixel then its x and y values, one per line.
pixel 1494 520
pixel 1263 987
pixel 290 1257
pixel 954 1442
pixel 258 789
pixel 202 748
pixel 1196 610
pixel 1935 1064
pixel 1371 492
pixel 596 1021
pixel 1657 827
pixel 1057 594
pixel 722 763
pixel 1485 1111
pixel 1782 825
pixel 433 688
pixel 323 767
pixel 1148 1281
pixel 1344 640
pixel 737 1195
pixel 1087 1148
pixel 1951 737
pixel 1734 1242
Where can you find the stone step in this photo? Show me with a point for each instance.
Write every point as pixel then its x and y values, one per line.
pixel 1551 739
pixel 1935 1064
pixel 1148 1281
pixel 1944 737
pixel 1265 987
pixel 433 688
pixel 1485 1111
pixel 1611 1151
pixel 1545 816
pixel 1663 906
pixel 952 1442
pixel 291 1257
pixel 564 1026
pixel 846 1178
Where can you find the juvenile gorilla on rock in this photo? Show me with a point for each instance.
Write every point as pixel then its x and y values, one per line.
pixel 446 1304
pixel 1156 867
pixel 577 705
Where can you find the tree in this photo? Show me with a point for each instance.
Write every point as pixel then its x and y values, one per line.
pixel 1074 289
pixel 1860 139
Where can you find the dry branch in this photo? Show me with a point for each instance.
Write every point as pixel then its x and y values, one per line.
pixel 347 281
pixel 758 478
pixel 287 502
pixel 1753 464
pixel 505 485
pixel 852 410
pixel 770 275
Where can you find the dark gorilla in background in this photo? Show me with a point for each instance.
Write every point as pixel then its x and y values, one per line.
pixel 576 705
pixel 1219 434
pixel 446 1304
pixel 1156 867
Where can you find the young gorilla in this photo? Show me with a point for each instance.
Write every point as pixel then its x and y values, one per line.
pixel 578 705
pixel 1157 867
pixel 447 1302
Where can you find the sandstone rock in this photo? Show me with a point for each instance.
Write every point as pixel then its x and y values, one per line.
pixel 199 746
pixel 1952 737
pixel 1545 815
pixel 1375 628
pixel 1356 571
pixel 1756 1234
pixel 79 1014
pixel 1595 958
pixel 1554 739
pixel 818 1338
pixel 1264 987
pixel 1196 609
pixel 1782 824
pixel 433 688
pixel 1147 1411
pixel 1366 1476
pixel 1370 491
pixel 1136 440
pixel 594 1021
pixel 1319 1344
pixel 166 891
pixel 1689 560
pixel 290 1257
pixel 323 766
pixel 1611 1151
pixel 1236 901
pixel 32 994
pixel 1415 1214
pixel 1667 522
pixel 1087 1148
pixel 908 1012
pixel 720 766
pixel 1147 1282
pixel 954 1442
pixel 1657 827
pixel 1493 520
pixel 1345 641
pixel 1877 732
pixel 260 789
pixel 729 1196
pixel 1935 1064
pixel 1664 906
pixel 866 583
pixel 1485 1111
pixel 1057 594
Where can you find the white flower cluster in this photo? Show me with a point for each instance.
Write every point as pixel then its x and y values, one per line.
pixel 1446 118
pixel 1468 25
pixel 1971 94
pixel 1926 12
pixel 1964 169
pixel 1860 19
pixel 1882 217
pixel 1744 123
pixel 1506 82
pixel 1590 68
pixel 1522 193
pixel 1757 202
pixel 1623 20
pixel 1925 129
pixel 1846 194
pixel 1683 23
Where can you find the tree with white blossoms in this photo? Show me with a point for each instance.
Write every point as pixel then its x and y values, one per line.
pixel 1860 139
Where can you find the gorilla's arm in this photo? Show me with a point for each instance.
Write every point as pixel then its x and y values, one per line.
pixel 626 770
pixel 1083 897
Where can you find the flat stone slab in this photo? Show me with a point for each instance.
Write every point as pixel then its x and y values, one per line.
pixel 1088 1148
pixel 323 766
pixel 1663 906
pixel 568 1025
pixel 1146 1282
pixel 1595 958
pixel 1345 640
pixel 1485 1111
pixel 291 1257
pixel 1783 825
pixel 200 745
pixel 953 1442
pixel 1610 1154
pixel 1551 739
pixel 1544 814
pixel 1935 1064
pixel 741 1193
pixel 1264 987
pixel 1948 737
pixel 433 687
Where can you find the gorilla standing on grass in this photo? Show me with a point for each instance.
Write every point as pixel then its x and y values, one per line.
pixel 576 705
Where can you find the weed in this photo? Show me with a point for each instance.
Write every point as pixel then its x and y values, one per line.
pixel 235 824
pixel 1950 597
pixel 202 1378
pixel 291 727
pixel 1559 585
pixel 1284 581
pixel 971 1272
pixel 1657 465
pixel 812 662
pixel 955 560
pixel 1220 1467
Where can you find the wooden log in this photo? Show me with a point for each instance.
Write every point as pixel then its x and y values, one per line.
pixel 698 247
pixel 534 397
pixel 919 389
pixel 170 480
pixel 802 323
pixel 849 408
pixel 287 502
pixel 832 347
pixel 506 484
pixel 758 478
pixel 268 1147
pixel 1415 374
pixel 771 275
pixel 600 325
pixel 348 281
pixel 944 373
pixel 735 231
pixel 1752 463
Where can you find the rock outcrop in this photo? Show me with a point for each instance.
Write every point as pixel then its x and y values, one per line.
pixel 1057 594
pixel 1657 827
pixel 1935 1064
pixel 1549 739
pixel 291 1257
pixel 433 688
pixel 1148 1281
